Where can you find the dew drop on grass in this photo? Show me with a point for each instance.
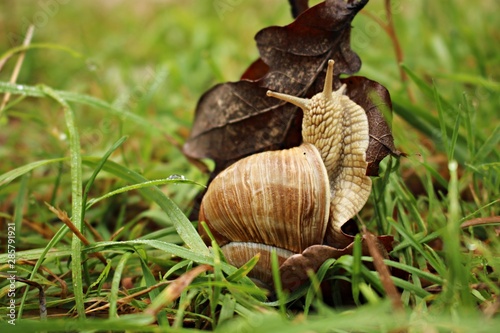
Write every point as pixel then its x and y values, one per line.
pixel 21 89
pixel 176 177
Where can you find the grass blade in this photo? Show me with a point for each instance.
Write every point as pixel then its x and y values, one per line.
pixel 20 203
pixel 457 284
pixel 469 128
pixel 96 172
pixel 76 197
pixel 52 46
pixel 142 185
pixel 183 226
pixel 115 285
pixel 8 177
pixel 454 137
pixel 416 245
pixel 277 283
pixel 38 91
pixel 489 145
pixel 356 269
pixel 426 123
pixel 441 117
pixel 150 282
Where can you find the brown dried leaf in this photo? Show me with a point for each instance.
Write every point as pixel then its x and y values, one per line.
pixel 298 6
pixel 294 270
pixel 376 101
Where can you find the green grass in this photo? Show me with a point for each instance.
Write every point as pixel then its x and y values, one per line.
pixel 105 95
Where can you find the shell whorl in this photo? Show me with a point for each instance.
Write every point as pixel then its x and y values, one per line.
pixel 338 128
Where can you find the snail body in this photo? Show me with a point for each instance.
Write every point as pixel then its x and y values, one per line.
pixel 291 199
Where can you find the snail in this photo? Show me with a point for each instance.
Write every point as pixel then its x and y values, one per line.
pixel 291 199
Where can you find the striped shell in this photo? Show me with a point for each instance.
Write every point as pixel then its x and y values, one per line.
pixel 271 198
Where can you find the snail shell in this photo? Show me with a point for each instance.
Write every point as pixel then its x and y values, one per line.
pixel 291 199
pixel 278 198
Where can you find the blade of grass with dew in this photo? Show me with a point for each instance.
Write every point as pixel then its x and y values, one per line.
pixel 37 91
pixel 183 226
pixel 8 177
pixel 142 185
pixel 76 197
